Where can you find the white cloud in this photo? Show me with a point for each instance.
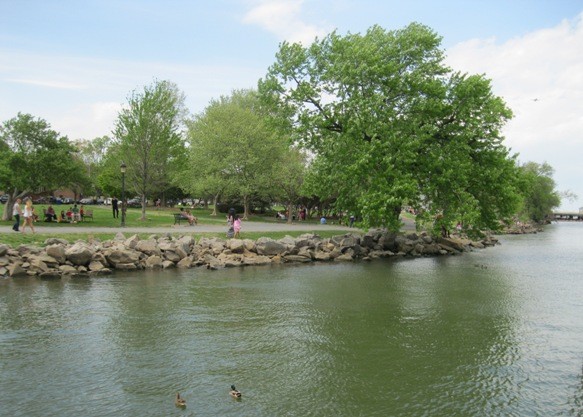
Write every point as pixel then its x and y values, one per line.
pixel 47 83
pixel 540 76
pixel 283 18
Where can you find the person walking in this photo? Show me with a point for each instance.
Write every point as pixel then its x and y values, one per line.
pixel 16 212
pixel 28 216
pixel 115 208
pixel 237 227
pixel 230 221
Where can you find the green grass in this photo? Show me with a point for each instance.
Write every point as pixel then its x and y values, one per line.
pixel 38 239
pixel 103 217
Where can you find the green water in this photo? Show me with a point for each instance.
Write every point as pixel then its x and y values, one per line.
pixel 497 332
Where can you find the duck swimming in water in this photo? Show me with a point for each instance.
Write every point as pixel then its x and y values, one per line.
pixel 235 393
pixel 179 401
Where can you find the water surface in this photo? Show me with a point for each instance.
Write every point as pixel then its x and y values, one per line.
pixel 493 332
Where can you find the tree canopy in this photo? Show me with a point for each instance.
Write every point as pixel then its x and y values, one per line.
pixel 233 151
pixel 391 125
pixel 539 191
pixel 34 159
pixel 150 139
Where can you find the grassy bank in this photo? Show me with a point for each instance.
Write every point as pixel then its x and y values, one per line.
pixel 103 218
pixel 38 239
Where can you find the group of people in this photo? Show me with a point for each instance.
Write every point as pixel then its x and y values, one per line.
pixel 27 213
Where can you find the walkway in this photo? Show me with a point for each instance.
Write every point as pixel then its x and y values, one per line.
pixel 202 228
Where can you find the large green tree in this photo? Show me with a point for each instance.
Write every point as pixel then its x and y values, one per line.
pixel 539 192
pixel 150 137
pixel 233 151
pixel 34 159
pixel 389 124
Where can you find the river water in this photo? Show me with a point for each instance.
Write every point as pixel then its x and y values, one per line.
pixel 495 332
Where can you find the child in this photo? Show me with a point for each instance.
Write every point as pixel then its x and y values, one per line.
pixel 237 226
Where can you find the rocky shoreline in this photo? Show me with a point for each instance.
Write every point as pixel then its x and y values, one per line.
pixel 60 258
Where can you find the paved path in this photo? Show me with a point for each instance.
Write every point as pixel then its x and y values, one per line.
pixel 202 228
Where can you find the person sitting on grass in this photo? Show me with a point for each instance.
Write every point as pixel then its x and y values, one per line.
pixel 50 214
pixel 186 215
pixel 69 214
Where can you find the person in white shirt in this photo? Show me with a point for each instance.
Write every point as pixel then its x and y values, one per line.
pixel 16 212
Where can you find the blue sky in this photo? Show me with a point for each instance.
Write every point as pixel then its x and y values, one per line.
pixel 74 63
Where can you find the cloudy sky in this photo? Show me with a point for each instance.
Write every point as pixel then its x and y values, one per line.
pixel 74 63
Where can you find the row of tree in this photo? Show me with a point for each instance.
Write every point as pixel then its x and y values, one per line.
pixel 363 123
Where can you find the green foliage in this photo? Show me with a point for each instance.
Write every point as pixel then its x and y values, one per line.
pixel 538 190
pixel 33 158
pixel 390 124
pixel 233 151
pixel 151 143
pixel 93 153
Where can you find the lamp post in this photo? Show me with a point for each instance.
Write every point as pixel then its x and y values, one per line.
pixel 122 167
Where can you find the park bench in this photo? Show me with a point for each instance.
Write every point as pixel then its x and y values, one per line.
pixel 88 214
pixel 178 218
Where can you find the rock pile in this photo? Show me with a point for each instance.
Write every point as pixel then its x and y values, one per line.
pixel 59 257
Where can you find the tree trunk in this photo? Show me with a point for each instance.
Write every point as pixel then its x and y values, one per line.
pixel 7 215
pixel 12 197
pixel 290 213
pixel 215 199
pixel 143 208
pixel 245 207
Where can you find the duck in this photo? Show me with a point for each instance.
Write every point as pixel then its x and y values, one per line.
pixel 235 393
pixel 179 401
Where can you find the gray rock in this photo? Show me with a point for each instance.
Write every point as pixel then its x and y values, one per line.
pixel 57 251
pixel 154 261
pixel 270 247
pixel 149 247
pixel 79 254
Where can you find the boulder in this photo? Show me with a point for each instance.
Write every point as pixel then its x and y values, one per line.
pixel 57 251
pixel 186 262
pixel 236 245
pixel 322 256
pixel 79 254
pixel 38 266
pixel 132 241
pixel 167 264
pixel 116 257
pixel 3 249
pixel 455 243
pixel 56 241
pixel 172 256
pixel 149 247
pixel 296 258
pixel 67 269
pixel 95 266
pixel 153 261
pixel 253 259
pixel 16 270
pixel 270 247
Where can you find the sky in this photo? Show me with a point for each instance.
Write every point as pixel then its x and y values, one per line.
pixel 75 63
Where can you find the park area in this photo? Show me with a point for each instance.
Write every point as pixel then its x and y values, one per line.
pixel 104 226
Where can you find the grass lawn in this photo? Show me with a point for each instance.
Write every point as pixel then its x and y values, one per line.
pixel 103 217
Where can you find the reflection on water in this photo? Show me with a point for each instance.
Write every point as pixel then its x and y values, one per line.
pixel 494 332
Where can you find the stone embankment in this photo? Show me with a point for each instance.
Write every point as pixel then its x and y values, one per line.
pixel 61 258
